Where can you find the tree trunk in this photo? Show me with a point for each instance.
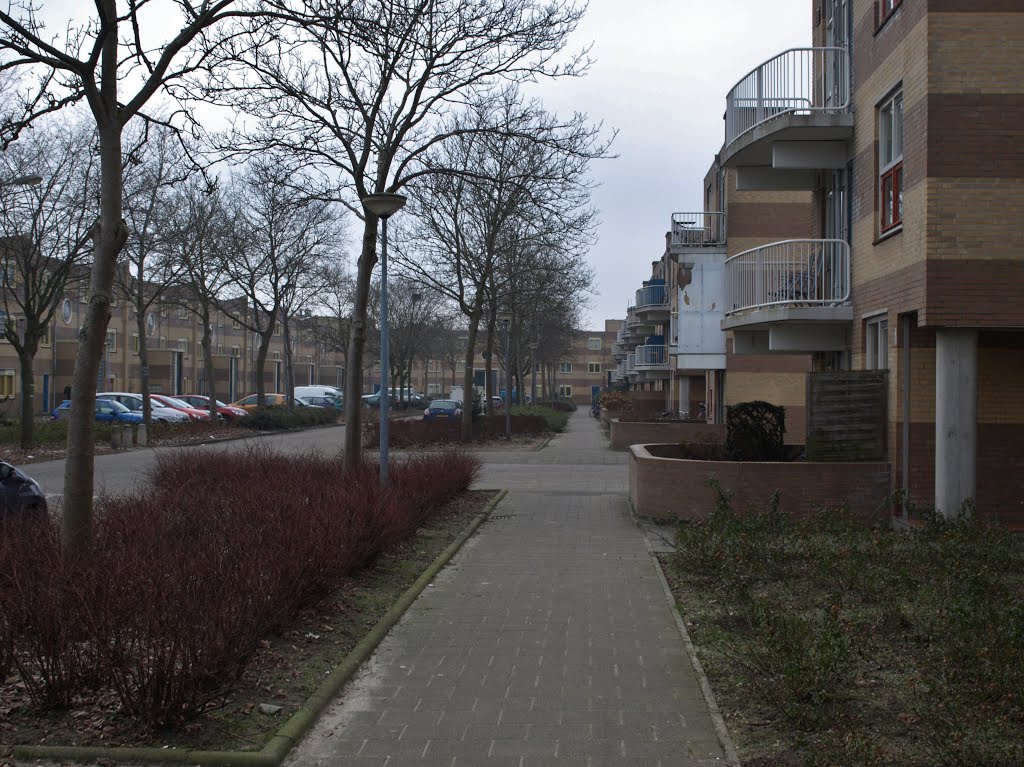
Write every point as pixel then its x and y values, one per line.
pixel 140 325
pixel 289 370
pixel 208 372
pixel 109 236
pixel 467 378
pixel 261 363
pixel 353 452
pixel 26 358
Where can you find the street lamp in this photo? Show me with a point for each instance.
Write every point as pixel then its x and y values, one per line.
pixel 534 345
pixel 383 206
pixel 505 318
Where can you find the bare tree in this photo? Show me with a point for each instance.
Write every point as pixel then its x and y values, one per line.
pixel 47 184
pixel 287 235
pixel 414 310
pixel 529 192
pixel 201 236
pixel 364 90
pixel 92 63
pixel 150 269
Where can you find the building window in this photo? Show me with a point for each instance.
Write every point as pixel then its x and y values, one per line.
pixel 182 312
pixel 433 366
pixel 593 367
pixel 277 355
pixel 65 311
pixel 199 351
pixel 277 328
pixel 564 367
pixel 235 323
pixel 876 343
pixel 183 345
pixel 884 9
pixel 890 161
pixel 235 351
pixel 135 343
pixel 594 344
pixel 163 308
pixel 564 391
pixel 8 384
pixel 112 340
pixel 46 339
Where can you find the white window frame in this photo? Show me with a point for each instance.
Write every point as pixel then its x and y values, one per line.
pixel 593 367
pixel 565 391
pixel 565 367
pixel 594 344
pixel 876 342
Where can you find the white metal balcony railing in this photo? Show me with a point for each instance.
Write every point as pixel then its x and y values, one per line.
pixel 791 273
pixel 698 229
pixel 797 81
pixel 651 356
pixel 631 363
pixel 652 295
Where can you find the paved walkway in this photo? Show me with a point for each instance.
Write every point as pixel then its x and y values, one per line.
pixel 548 640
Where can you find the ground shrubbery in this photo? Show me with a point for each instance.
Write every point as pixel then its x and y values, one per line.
pixel 276 418
pixel 856 645
pixel 530 420
pixel 555 418
pixel 187 577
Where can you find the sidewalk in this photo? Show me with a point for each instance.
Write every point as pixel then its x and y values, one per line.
pixel 548 640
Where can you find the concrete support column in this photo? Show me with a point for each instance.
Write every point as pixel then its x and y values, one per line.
pixel 684 394
pixel 956 418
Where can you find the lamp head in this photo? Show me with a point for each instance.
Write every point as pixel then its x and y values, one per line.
pixel 383 205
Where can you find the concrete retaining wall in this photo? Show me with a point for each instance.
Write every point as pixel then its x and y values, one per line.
pixel 625 432
pixel 672 488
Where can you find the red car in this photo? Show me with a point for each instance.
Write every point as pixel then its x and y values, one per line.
pixel 202 402
pixel 193 413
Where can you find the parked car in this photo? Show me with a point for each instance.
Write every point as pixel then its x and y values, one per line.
pixel 315 401
pixel 371 400
pixel 202 402
pixel 107 411
pixel 19 493
pixel 322 392
pixel 269 400
pixel 160 413
pixel 497 402
pixel 193 413
pixel 443 409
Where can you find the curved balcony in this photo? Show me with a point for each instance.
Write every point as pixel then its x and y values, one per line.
pixel 652 361
pixel 652 303
pixel 697 230
pixel 802 94
pixel 799 283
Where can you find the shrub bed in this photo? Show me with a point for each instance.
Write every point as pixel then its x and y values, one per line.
pixel 188 577
pixel 276 418
pixel 831 642
pixel 410 432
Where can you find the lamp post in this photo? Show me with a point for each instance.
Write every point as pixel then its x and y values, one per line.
pixel 383 206
pixel 505 318
pixel 533 372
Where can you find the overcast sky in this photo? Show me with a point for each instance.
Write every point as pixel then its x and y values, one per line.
pixel 662 71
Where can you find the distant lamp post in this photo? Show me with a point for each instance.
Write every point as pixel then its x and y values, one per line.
pixel 505 318
pixel 23 181
pixel 383 206
pixel 534 345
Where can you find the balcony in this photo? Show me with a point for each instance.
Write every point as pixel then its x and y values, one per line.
pixel 631 371
pixel 637 328
pixel 789 117
pixel 794 294
pixel 652 303
pixel 651 361
pixel 697 230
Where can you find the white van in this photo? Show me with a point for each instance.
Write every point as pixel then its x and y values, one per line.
pixel 321 392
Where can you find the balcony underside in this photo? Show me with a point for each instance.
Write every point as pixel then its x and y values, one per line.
pixel 756 146
pixel 793 337
pixel 655 313
pixel 698 363
pixel 662 373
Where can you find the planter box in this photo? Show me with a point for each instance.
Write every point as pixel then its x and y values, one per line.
pixel 675 488
pixel 626 432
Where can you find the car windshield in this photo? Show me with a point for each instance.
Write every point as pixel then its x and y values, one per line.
pixel 176 402
pixel 116 406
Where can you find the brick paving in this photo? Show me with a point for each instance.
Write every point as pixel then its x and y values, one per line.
pixel 547 640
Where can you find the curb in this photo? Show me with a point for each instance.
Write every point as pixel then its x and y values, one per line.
pixel 282 741
pixel 721 730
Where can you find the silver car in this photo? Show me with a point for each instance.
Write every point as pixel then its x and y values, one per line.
pixel 133 402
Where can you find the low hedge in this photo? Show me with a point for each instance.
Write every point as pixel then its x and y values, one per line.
pixel 556 418
pixel 412 432
pixel 188 576
pixel 278 418
pixel 563 405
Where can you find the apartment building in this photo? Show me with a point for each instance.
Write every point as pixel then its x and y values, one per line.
pixel 579 374
pixel 174 346
pixel 899 131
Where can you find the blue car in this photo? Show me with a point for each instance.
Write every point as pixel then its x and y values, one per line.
pixel 107 411
pixel 443 409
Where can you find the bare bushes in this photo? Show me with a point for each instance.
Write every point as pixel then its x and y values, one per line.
pixel 187 577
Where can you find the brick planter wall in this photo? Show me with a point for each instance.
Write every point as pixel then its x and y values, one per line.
pixel 625 432
pixel 673 488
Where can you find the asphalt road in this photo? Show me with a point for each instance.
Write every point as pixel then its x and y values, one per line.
pixel 512 468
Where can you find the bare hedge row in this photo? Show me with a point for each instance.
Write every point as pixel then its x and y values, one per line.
pixel 188 576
